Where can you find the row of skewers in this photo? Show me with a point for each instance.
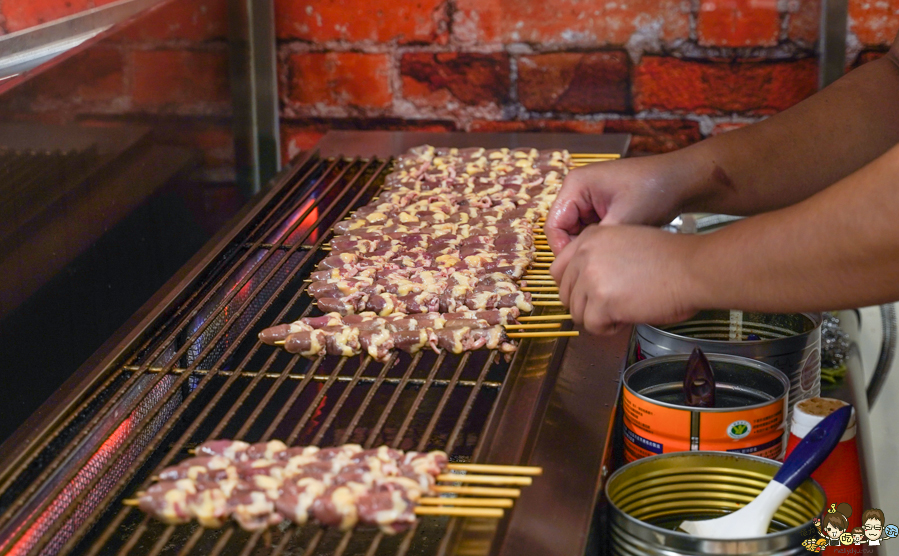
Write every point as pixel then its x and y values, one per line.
pixel 451 236
pixel 260 485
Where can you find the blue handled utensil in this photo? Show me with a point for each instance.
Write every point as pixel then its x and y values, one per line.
pixel 753 519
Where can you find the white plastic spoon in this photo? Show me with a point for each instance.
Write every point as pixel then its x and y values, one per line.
pixel 753 519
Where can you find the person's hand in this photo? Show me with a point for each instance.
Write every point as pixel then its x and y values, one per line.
pixel 630 191
pixel 614 275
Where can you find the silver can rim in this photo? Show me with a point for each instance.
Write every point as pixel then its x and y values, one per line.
pixel 788 344
pixel 712 357
pixel 657 531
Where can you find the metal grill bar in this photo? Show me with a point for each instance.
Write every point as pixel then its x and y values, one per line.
pixel 463 415
pixel 415 404
pixel 176 448
pixel 301 376
pixel 52 466
pixel 442 403
pixel 243 281
pixel 340 401
pixel 376 384
pixel 389 407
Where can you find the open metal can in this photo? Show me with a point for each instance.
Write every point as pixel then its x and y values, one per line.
pixel 651 497
pixel 750 399
pixel 790 342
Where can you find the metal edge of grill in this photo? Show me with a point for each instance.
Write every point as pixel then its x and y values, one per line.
pixel 191 284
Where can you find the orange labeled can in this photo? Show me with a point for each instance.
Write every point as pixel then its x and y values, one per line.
pixel 748 417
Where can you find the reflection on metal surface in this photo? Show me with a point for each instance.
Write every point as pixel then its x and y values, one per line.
pixel 832 44
pixel 254 86
pixel 28 49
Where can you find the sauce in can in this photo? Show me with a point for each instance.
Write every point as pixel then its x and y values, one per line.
pixel 748 417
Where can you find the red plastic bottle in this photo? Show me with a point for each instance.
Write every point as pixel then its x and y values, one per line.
pixel 840 474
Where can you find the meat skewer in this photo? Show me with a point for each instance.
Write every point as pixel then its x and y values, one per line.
pixel 370 320
pixel 350 340
pixel 259 485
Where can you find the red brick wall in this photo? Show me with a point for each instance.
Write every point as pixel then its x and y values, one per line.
pixel 669 71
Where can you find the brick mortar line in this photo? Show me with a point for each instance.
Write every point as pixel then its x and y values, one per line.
pixel 470 113
pixel 680 48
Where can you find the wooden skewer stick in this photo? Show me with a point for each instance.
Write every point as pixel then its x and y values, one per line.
pixel 536 325
pixel 541 265
pixel 484 479
pixel 458 512
pixel 538 271
pixel 279 342
pixel 553 334
pixel 479 502
pixel 540 289
pixel 544 317
pixel 576 156
pixel 544 296
pixel 478 491
pixel 494 511
pixel 547 303
pixel 541 282
pixel 492 468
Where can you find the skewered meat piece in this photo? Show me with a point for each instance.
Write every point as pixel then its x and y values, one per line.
pixel 371 320
pixel 379 342
pixel 386 304
pixel 340 486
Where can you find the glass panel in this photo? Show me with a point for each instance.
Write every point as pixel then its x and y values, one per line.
pixel 116 166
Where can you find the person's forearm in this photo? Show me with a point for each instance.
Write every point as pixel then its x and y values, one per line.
pixel 800 151
pixel 835 250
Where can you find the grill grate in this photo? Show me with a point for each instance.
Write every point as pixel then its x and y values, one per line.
pixel 212 378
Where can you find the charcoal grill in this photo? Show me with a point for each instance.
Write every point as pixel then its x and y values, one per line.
pixel 189 368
